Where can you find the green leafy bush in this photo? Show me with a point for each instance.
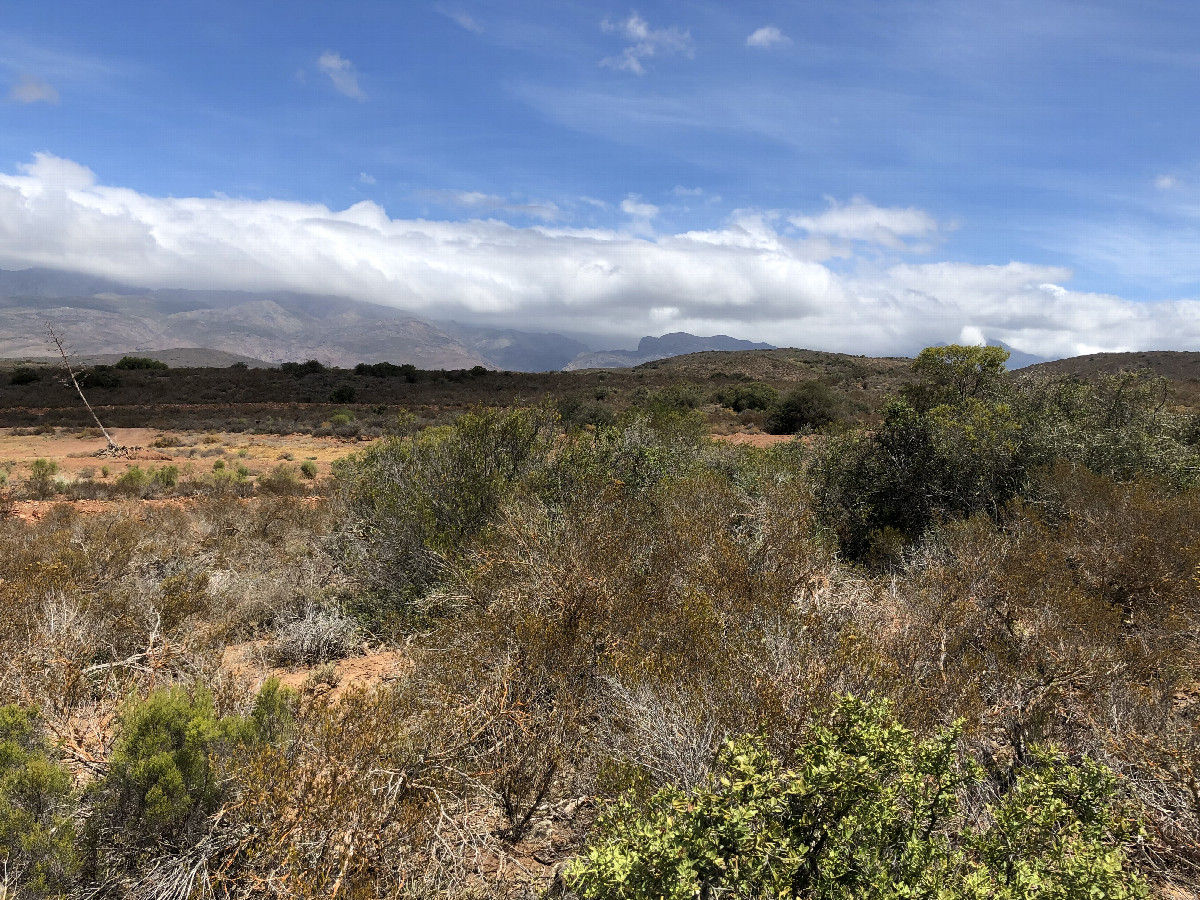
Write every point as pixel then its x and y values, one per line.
pixel 312 367
pixel 162 784
pixel 140 362
pixel 674 398
pixel 414 504
pixel 954 374
pixel 343 393
pixel 812 405
pixel 37 806
pixel 41 484
pixel 865 810
pixel 281 481
pixel 754 395
pixel 100 377
pixel 966 441
pixel 24 375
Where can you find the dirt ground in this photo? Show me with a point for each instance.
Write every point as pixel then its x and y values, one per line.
pixel 75 451
pixel 753 440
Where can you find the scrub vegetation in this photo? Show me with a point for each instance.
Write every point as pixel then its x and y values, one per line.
pixel 942 644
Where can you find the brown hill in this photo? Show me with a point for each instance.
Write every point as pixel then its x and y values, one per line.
pixel 1178 365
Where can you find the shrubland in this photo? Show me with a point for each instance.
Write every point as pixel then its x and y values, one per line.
pixel 954 655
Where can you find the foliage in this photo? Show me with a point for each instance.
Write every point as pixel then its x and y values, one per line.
pixel 161 785
pixel 678 397
pixel 415 504
pixel 100 377
pixel 140 362
pixel 341 806
pixel 282 481
pixel 407 371
pixel 955 374
pixel 343 393
pixel 1057 834
pixel 752 395
pixel 41 484
pixel 36 805
pixel 603 610
pixel 24 375
pixel 812 405
pixel 968 442
pixel 574 411
pixel 865 810
pixel 639 451
pixel 311 367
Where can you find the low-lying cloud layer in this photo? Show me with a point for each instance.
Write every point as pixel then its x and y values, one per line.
pixel 760 276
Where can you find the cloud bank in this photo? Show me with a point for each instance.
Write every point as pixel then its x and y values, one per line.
pixel 757 276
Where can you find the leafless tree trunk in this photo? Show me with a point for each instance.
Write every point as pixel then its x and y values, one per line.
pixel 57 341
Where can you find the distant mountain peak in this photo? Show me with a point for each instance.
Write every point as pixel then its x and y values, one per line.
pixel 650 349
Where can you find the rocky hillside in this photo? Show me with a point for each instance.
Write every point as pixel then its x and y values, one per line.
pixel 102 317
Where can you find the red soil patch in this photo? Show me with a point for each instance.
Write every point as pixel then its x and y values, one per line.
pixel 246 663
pixel 753 440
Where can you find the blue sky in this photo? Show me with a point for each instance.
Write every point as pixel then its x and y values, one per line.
pixel 852 174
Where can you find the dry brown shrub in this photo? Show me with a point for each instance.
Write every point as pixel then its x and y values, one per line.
pixel 1076 624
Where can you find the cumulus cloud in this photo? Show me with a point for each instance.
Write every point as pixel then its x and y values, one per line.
pixel 33 90
pixel 767 36
pixel 645 42
pixel 342 73
pixel 366 178
pixel 1166 182
pixel 860 220
pixel 750 277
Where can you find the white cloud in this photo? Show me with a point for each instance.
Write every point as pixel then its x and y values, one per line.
pixel 750 277
pixel 465 20
pixel 645 42
pixel 366 178
pixel 342 73
pixel 640 214
pixel 860 220
pixel 767 36
pixel 633 207
pixel 546 210
pixel 680 191
pixel 1166 182
pixel 33 90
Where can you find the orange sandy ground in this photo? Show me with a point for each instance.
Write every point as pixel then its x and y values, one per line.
pixel 75 454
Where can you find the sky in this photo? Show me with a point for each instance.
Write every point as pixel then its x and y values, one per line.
pixel 852 175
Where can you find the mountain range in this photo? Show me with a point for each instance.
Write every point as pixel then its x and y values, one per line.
pixel 98 317
pixel 651 349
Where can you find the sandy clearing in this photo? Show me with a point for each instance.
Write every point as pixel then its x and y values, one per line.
pixel 75 454
pixel 247 663
pixel 753 440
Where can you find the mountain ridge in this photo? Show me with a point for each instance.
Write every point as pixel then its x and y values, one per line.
pixel 103 317
pixel 653 349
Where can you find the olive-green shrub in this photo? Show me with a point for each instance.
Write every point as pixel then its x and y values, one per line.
pixel 414 504
pixel 162 785
pixel 865 810
pixel 37 807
